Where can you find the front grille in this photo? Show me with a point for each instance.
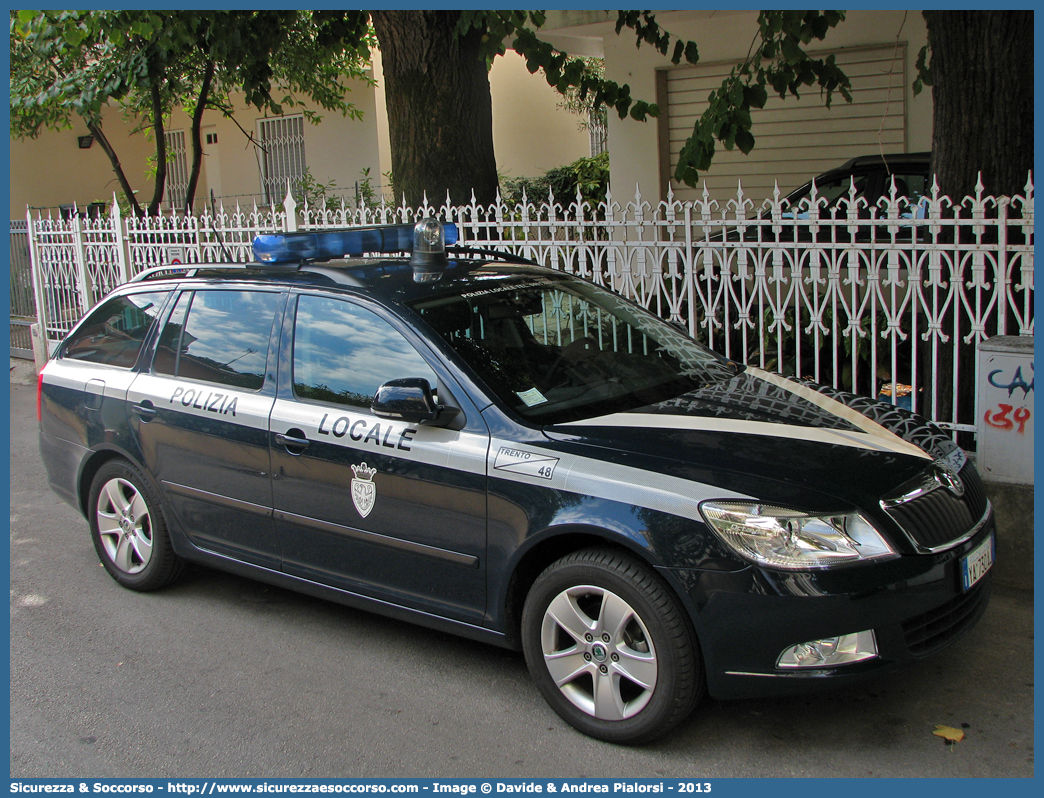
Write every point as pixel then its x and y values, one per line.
pixel 938 517
pixel 927 633
pixel 935 518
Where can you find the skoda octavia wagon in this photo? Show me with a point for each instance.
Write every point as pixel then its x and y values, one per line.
pixel 518 456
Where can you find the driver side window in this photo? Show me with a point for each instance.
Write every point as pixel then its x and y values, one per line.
pixel 343 353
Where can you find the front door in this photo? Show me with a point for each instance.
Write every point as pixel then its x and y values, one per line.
pixel 391 510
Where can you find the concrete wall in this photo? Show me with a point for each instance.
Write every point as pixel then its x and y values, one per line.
pixel 531 133
pixel 337 149
pixel 1013 505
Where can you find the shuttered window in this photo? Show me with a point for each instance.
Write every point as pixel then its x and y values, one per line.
pixel 282 155
pixel 795 139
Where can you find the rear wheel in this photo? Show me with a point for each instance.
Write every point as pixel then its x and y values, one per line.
pixel 609 647
pixel 128 529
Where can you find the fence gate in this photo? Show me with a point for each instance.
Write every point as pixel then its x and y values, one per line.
pixel 23 305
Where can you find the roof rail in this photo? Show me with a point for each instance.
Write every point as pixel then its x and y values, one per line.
pixel 190 269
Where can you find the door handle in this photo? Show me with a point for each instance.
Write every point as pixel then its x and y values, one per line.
pixel 293 440
pixel 145 410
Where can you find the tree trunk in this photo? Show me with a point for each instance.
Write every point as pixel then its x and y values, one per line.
pixel 440 114
pixel 982 100
pixel 197 136
pixel 161 149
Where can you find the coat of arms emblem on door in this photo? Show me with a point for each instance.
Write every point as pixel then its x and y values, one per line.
pixel 364 492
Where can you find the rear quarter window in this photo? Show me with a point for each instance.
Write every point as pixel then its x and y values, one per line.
pixel 113 333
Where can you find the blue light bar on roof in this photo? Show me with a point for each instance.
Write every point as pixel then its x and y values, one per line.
pixel 292 247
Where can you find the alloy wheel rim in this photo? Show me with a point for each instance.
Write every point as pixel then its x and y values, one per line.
pixel 599 652
pixel 124 526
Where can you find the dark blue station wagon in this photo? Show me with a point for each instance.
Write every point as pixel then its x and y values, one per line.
pixel 518 456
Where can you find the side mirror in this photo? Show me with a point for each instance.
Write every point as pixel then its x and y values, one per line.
pixel 408 399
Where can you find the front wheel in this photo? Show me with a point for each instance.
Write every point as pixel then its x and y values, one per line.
pixel 609 647
pixel 128 529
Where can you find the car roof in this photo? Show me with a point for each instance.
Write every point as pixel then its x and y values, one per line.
pixel 383 278
pixel 898 158
pixel 866 162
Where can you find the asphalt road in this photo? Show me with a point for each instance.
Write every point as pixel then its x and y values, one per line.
pixel 219 676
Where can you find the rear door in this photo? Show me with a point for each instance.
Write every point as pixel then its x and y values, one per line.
pixel 201 415
pixel 392 510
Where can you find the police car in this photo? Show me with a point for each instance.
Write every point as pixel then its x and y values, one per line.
pixel 518 456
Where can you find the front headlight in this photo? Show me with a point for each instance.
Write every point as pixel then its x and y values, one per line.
pixel 782 538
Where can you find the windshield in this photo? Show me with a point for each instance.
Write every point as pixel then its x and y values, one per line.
pixel 557 349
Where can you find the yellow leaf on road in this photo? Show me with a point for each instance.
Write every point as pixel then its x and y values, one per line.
pixel 949 733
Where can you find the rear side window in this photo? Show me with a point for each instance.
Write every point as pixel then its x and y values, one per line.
pixel 113 334
pixel 219 336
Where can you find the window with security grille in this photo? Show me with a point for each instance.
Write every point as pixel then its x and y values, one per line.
pixel 281 140
pixel 597 131
pixel 176 186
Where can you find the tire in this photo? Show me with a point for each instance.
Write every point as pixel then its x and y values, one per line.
pixel 609 647
pixel 128 529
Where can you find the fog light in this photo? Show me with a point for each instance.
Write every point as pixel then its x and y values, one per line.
pixel 830 651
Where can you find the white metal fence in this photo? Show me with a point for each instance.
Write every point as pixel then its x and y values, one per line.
pixel 888 300
pixel 23 304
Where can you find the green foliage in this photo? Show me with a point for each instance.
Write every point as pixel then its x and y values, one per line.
pixel 924 70
pixel 324 196
pixel 585 106
pixel 315 194
pixel 68 64
pixel 58 69
pixel 592 178
pixel 590 175
pixel 366 193
pixel 777 61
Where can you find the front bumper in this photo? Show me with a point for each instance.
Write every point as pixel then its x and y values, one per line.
pixel 744 620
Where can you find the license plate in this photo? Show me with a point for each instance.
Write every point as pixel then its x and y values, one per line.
pixel 975 564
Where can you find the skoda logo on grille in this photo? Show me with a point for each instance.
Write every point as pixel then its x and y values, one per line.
pixel 948 478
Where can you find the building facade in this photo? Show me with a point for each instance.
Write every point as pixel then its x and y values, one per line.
pixel 531 134
pixel 795 139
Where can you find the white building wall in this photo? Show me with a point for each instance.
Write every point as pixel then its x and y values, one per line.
pixel 51 170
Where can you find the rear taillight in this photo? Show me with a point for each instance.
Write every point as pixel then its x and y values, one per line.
pixel 39 397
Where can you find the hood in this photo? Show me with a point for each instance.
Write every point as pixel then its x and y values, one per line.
pixel 774 437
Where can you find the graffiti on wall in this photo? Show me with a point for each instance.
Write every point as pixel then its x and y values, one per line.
pixel 1006 416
